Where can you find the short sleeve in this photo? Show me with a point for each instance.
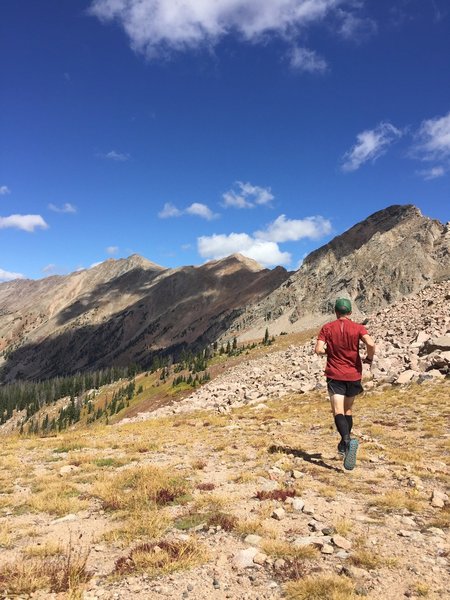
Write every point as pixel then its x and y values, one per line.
pixel 362 331
pixel 321 337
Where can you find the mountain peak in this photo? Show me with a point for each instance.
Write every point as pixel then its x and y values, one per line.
pixel 136 260
pixel 357 236
pixel 122 265
pixel 235 261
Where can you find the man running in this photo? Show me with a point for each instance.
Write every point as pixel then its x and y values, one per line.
pixel 339 340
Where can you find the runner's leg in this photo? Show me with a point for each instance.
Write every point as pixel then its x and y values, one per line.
pixel 348 404
pixel 337 406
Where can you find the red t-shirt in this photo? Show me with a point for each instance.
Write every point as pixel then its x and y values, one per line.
pixel 342 339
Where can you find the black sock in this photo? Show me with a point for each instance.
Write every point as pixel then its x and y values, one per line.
pixel 349 419
pixel 342 427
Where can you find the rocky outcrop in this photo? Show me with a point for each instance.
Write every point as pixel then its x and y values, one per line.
pixel 392 253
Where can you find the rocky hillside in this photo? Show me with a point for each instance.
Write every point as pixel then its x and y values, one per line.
pixel 392 253
pixel 122 312
pixel 413 345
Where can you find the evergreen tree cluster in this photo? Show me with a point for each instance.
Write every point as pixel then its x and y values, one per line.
pixel 32 396
pixel 120 399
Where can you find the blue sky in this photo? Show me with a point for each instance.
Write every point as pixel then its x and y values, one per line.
pixel 186 131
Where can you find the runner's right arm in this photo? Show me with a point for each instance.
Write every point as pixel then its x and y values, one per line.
pixel 370 347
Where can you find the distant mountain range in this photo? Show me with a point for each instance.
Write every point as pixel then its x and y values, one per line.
pixel 125 311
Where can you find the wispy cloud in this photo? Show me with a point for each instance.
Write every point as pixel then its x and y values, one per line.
pixel 292 230
pixel 155 27
pixel 303 59
pixel 114 156
pixel 169 211
pixel 433 139
pixel 246 195
pixel 8 276
pixel 201 210
pixel 25 222
pixel 196 208
pixel 112 250
pixel 4 190
pixel 370 145
pixel 65 208
pixel 355 27
pixel 432 173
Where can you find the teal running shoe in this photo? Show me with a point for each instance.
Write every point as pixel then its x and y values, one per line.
pixel 350 455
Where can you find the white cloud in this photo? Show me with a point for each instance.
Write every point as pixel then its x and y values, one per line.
pixel 354 27
pixel 247 196
pixel 432 173
pixel 286 230
pixel 112 250
pixel 433 139
pixel 65 208
pixel 115 156
pixel 262 246
pixel 196 209
pixel 370 145
pixel 265 252
pixel 169 211
pixel 8 276
pixel 157 26
pixel 201 210
pixel 24 222
pixel 4 189
pixel 303 59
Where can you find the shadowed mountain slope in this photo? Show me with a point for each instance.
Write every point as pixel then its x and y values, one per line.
pixel 122 312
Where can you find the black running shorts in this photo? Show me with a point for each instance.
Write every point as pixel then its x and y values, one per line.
pixel 344 388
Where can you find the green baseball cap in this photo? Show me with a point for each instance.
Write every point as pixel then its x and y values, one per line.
pixel 343 306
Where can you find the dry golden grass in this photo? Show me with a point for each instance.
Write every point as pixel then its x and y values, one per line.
pixel 245 527
pixel 6 535
pixel 162 557
pixel 422 589
pixel 396 500
pixel 44 550
pixel 59 573
pixel 140 524
pixel 243 477
pixel 56 496
pixel 441 519
pixel 140 487
pixel 343 526
pixel 285 550
pixel 370 558
pixel 321 587
pixel 211 502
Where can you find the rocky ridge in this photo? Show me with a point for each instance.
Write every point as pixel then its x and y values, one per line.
pixel 367 264
pixel 413 344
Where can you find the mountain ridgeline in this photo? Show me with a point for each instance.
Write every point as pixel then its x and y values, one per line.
pixel 122 312
pixel 129 310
